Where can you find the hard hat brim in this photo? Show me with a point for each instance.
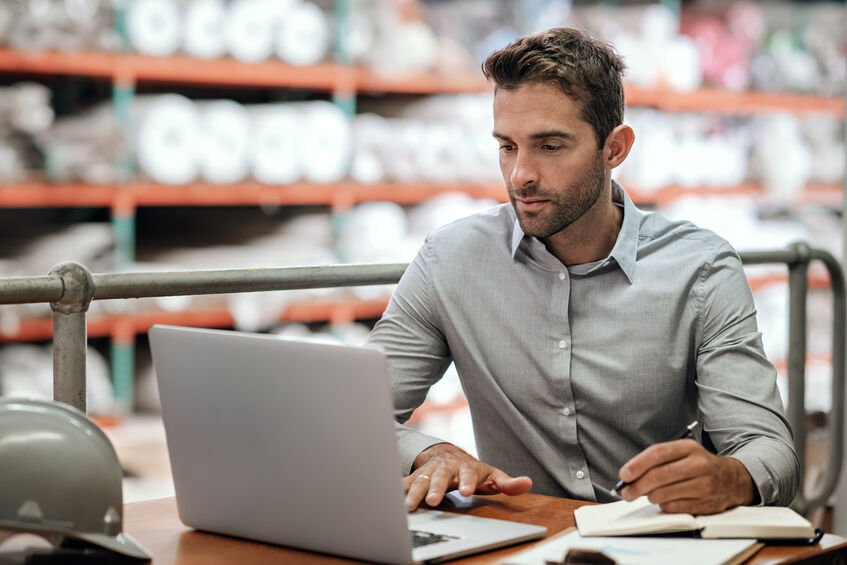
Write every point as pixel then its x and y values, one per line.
pixel 121 543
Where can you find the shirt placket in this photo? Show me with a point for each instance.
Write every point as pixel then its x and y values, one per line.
pixel 577 476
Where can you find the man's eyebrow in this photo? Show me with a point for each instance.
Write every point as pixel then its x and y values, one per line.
pixel 552 133
pixel 537 136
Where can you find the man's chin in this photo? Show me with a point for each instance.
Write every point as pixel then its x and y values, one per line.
pixel 531 226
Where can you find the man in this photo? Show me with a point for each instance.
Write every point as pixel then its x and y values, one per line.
pixel 586 333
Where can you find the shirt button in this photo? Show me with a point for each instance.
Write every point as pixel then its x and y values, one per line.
pixel 566 411
pixel 580 475
pixel 563 344
pixel 561 276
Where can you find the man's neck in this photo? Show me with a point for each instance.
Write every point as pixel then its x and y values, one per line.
pixel 591 237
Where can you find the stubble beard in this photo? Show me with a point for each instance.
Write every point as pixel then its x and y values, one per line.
pixel 565 207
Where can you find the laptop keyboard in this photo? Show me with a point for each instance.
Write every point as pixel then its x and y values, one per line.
pixel 420 538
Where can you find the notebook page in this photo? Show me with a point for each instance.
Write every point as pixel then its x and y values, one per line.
pixel 638 551
pixel 624 518
pixel 757 521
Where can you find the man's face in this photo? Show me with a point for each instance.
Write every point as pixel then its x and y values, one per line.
pixel 549 158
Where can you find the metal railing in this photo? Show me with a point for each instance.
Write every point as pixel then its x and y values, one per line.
pixel 70 288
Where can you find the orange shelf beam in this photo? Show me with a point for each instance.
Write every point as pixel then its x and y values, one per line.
pixel 828 194
pixel 125 68
pixel 818 280
pixel 419 83
pixel 177 69
pixel 728 102
pixel 38 329
pixel 429 409
pixel 45 195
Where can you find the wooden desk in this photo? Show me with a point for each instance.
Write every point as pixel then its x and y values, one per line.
pixel 155 524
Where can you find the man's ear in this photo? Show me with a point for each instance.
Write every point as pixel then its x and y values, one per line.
pixel 618 144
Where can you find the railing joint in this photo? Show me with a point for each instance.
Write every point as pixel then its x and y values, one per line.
pixel 77 288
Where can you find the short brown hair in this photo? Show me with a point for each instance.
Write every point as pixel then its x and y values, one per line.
pixel 588 70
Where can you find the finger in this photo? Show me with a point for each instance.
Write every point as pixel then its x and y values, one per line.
pixel 502 482
pixel 418 487
pixel 443 479
pixel 661 476
pixel 684 490
pixel 657 454
pixel 469 480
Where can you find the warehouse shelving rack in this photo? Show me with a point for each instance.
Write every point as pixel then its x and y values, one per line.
pixel 345 82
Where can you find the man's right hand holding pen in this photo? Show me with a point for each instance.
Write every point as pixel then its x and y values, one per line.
pixel 682 476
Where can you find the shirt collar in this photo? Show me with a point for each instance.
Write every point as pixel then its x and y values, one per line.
pixel 625 250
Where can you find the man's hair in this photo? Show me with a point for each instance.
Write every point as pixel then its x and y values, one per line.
pixel 588 70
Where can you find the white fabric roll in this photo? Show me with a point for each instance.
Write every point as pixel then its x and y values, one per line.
pixel 249 30
pixel 325 142
pixel 373 232
pixel 369 134
pixel 224 142
pixel 303 35
pixel 366 167
pixel 275 144
pixel 167 140
pixel 29 109
pixel 680 62
pixel 28 372
pixel 82 11
pixel 154 27
pixel 203 33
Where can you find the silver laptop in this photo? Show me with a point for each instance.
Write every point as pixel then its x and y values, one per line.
pixel 292 443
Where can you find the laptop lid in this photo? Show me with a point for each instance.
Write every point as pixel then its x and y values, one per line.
pixel 282 441
pixel 292 442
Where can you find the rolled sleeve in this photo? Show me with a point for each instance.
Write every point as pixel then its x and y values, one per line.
pixel 738 397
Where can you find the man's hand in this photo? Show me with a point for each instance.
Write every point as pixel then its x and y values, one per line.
pixel 443 467
pixel 681 476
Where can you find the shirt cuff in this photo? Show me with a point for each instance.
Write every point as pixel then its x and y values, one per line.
pixel 410 443
pixel 774 475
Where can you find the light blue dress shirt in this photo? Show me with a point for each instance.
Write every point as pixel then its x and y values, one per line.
pixel 570 371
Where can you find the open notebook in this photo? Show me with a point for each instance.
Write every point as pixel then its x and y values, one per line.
pixel 642 517
pixel 637 550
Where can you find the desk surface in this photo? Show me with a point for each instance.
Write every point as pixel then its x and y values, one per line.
pixel 155 524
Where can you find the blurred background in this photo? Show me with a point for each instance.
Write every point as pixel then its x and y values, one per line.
pixel 196 134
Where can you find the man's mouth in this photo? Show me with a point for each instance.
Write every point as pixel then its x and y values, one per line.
pixel 530 204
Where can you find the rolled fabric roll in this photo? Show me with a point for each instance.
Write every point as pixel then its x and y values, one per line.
pixel 680 64
pixel 82 12
pixel 29 109
pixel 203 29
pixel 224 142
pixel 276 143
pixel 366 167
pixel 303 34
pixel 325 142
pixel 249 30
pixel 167 139
pixel 154 27
pixel 369 134
pixel 373 232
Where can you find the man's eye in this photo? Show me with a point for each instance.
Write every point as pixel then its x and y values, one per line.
pixel 548 147
pixel 506 147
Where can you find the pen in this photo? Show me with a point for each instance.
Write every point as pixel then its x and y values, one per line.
pixel 682 435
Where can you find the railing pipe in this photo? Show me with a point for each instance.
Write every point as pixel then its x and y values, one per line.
pixel 70 288
pixel 177 283
pixel 798 289
pixel 797 257
pixel 29 290
pixel 70 333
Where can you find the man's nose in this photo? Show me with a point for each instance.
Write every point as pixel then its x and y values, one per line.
pixel 524 170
